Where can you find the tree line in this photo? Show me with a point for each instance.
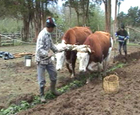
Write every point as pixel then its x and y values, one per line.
pixel 33 14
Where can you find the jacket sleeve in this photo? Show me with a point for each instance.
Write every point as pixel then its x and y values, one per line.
pixel 53 48
pixel 126 34
pixel 117 33
pixel 42 52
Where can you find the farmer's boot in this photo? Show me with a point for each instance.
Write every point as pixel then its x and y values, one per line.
pixel 120 52
pixel 125 54
pixel 53 89
pixel 42 97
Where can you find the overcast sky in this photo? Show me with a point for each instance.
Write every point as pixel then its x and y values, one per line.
pixel 125 5
pixel 128 3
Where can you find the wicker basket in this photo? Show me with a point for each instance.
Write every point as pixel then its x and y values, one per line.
pixel 111 84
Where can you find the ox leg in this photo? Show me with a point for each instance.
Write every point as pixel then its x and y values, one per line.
pixel 91 66
pixel 71 68
pixel 100 67
pixel 105 63
pixel 68 67
pixel 73 60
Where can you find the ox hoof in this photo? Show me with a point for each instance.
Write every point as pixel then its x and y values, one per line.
pixel 72 76
pixel 87 81
pixel 100 77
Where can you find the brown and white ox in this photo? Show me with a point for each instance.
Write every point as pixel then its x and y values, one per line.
pixel 75 35
pixel 97 48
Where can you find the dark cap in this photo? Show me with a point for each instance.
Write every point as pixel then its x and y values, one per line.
pixel 122 26
pixel 50 22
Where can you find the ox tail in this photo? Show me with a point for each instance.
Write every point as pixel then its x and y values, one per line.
pixel 111 42
pixel 110 49
pixel 106 61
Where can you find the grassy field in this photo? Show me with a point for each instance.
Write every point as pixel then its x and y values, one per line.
pixel 10 25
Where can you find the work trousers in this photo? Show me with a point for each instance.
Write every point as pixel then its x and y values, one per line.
pixel 123 44
pixel 41 73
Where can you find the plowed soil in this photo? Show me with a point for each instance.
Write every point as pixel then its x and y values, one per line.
pixel 91 99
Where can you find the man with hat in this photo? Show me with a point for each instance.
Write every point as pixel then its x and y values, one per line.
pixel 122 39
pixel 43 46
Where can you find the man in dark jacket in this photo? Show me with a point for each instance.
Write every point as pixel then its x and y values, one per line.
pixel 43 46
pixel 122 39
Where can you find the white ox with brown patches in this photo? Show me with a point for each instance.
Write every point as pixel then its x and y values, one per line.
pixel 97 48
pixel 75 35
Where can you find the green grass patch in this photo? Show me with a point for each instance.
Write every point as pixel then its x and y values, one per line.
pixel 119 65
pixel 133 44
pixel 10 25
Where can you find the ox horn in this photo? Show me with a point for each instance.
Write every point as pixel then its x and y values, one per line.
pixel 88 49
pixel 69 46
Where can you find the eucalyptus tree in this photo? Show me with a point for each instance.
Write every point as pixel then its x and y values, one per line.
pixel 28 11
pixel 96 18
pixel 117 8
pixel 81 8
pixel 132 18
pixel 131 21
pixel 21 10
pixel 107 4
pixel 2 8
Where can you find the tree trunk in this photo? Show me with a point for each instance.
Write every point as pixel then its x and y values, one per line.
pixel 37 24
pixel 37 19
pixel 87 10
pixel 25 29
pixel 78 22
pixel 108 15
pixel 115 18
pixel 115 21
pixel 70 13
pixel 83 13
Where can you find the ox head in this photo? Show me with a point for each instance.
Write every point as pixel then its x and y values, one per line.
pixel 83 56
pixel 60 56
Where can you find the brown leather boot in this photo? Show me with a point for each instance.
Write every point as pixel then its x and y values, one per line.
pixel 53 89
